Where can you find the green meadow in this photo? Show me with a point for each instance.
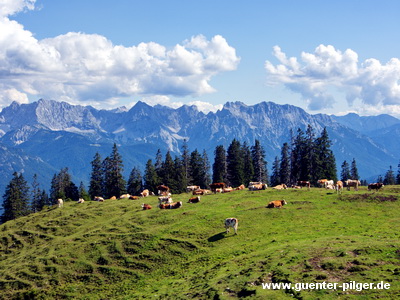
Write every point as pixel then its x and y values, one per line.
pixel 115 250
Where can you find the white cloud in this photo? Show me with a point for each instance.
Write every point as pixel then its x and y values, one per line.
pixel 88 67
pixel 330 69
pixel 206 107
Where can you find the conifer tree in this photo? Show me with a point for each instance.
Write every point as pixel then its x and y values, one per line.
pixel 398 174
pixel 180 182
pixel 167 170
pixel 284 171
pixel 298 150
pixel 96 177
pixel 275 177
pixel 205 172
pixel 248 164
pixel 114 182
pixel 219 166
pixel 83 192
pixel 345 174
pixel 389 177
pixel 62 187
pixel 325 159
pixel 158 164
pixel 354 170
pixel 259 163
pixel 196 166
pixel 135 182
pixel 309 157
pixel 36 204
pixel 16 199
pixel 151 180
pixel 235 164
pixel 186 162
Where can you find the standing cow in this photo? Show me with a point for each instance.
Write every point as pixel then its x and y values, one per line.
pixel 231 222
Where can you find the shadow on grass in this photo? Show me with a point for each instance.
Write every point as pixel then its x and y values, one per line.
pixel 219 236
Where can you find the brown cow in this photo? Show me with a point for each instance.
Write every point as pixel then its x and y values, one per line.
pixel 198 192
pixel 217 185
pixel 145 193
pixel 163 190
pixel 276 203
pixel 352 183
pixel 146 206
pixel 194 199
pixel 171 205
pixel 192 188
pixel 339 186
pixel 304 183
pixel 257 186
pixel 375 186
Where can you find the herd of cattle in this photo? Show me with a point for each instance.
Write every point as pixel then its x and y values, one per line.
pixel 165 199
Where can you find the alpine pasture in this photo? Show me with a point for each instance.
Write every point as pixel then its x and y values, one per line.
pixel 116 250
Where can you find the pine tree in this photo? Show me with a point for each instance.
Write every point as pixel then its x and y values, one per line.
pixel 284 171
pixel 354 170
pixel 16 199
pixel 180 181
pixel 62 187
pixel 219 166
pixel 309 157
pixel 389 177
pixel 196 166
pixel 248 164
pixel 298 150
pixel 151 180
pixel 398 174
pixel 205 172
pixel 135 182
pixel 167 170
pixel 158 165
pixel 345 174
pixel 259 163
pixel 114 182
pixel 275 177
pixel 96 177
pixel 186 162
pixel 235 164
pixel 325 159
pixel 83 193
pixel 36 204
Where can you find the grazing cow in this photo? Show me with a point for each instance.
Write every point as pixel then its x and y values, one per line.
pixel 192 188
pixel 81 200
pixel 257 186
pixel 163 190
pixel 276 203
pixel 146 206
pixel 145 193
pixel 171 205
pixel 304 183
pixel 165 199
pixel 217 185
pixel 231 222
pixel 375 186
pixel 339 186
pixel 280 187
pixel 321 182
pixel 100 199
pixel 352 183
pixel 60 202
pixel 194 199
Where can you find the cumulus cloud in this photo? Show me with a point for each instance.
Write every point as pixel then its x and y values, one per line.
pixel 316 75
pixel 89 67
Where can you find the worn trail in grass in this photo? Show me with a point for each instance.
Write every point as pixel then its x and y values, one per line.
pixel 114 250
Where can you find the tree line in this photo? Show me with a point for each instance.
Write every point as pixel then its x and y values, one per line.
pixel 306 157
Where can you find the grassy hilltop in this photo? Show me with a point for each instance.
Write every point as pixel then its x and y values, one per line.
pixel 114 250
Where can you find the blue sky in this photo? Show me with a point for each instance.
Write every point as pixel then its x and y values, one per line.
pixel 324 56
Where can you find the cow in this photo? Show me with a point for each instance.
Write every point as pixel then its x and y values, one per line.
pixel 330 187
pixel 280 187
pixel 227 190
pixel 240 187
pixel 194 199
pixel 198 192
pixel 231 222
pixel 113 198
pixel 257 186
pixel 145 193
pixel 339 186
pixel 352 183
pixel 216 185
pixel 98 198
pixel 276 203
pixel 125 196
pixel 218 191
pixel 192 188
pixel 329 182
pixel 163 190
pixel 146 206
pixel 321 182
pixel 165 199
pixel 81 200
pixel 60 202
pixel 134 197
pixel 304 183
pixel 375 186
pixel 173 205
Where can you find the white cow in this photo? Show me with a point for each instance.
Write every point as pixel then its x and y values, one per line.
pixel 231 222
pixel 60 202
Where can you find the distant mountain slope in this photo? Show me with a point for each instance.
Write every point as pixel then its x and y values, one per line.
pixel 56 134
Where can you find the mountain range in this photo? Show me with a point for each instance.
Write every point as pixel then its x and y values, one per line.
pixel 44 136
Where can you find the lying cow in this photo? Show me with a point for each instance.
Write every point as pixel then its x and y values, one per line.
pixel 276 203
pixel 146 206
pixel 125 196
pixel 171 205
pixel 81 200
pixel 304 184
pixel 163 190
pixel 198 192
pixel 145 193
pixel 100 199
pixel 194 199
pixel 60 203
pixel 375 186
pixel 192 188
pixel 231 222
pixel 257 186
pixel 165 199
pixel 280 187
